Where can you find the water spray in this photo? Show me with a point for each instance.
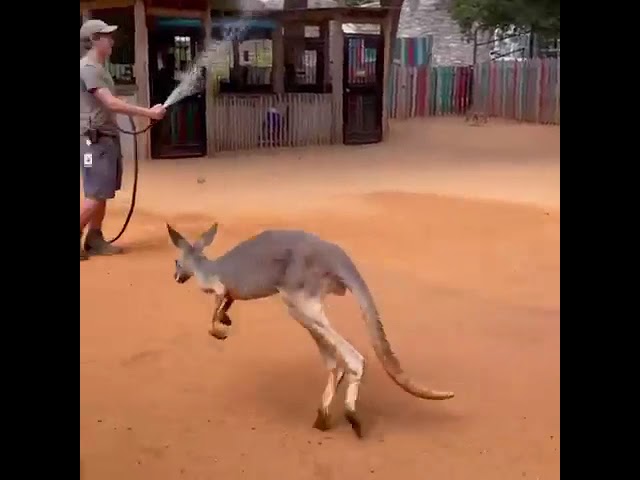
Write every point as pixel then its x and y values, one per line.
pixel 189 84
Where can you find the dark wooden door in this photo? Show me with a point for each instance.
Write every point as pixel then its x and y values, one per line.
pixel 363 88
pixel 172 48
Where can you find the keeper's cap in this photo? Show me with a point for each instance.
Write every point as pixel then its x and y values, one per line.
pixel 95 26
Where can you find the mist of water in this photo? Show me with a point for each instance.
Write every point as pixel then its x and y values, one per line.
pixel 191 81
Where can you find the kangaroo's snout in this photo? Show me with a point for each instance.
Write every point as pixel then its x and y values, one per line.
pixel 181 277
pixel 181 274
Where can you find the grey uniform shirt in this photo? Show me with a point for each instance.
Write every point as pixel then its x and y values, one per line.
pixel 93 114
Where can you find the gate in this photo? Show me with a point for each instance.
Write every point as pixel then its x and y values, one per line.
pixel 363 82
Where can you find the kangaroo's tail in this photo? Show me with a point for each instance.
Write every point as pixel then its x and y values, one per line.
pixel 352 279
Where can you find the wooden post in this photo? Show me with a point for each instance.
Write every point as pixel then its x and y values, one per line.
pixel 557 111
pixel 388 58
pixel 277 74
pixel 294 34
pixel 209 90
pixel 337 64
pixel 141 71
pixel 325 35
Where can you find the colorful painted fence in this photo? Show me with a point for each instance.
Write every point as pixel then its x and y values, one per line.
pixel 424 90
pixel 413 52
pixel 527 91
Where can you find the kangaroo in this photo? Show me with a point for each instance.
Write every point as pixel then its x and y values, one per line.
pixel 476 116
pixel 303 269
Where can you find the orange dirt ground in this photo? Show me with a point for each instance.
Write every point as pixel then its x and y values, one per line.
pixel 457 231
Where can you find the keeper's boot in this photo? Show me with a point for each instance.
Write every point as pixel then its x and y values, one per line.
pixel 83 254
pixel 95 244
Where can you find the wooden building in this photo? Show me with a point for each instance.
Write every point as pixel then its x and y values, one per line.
pixel 273 77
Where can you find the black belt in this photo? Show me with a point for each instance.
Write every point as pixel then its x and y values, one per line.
pixel 96 135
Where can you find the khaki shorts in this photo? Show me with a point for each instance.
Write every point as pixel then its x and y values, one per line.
pixel 101 167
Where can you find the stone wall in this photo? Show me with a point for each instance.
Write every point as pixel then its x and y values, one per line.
pixel 430 17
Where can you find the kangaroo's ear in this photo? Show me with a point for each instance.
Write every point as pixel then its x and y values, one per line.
pixel 177 239
pixel 206 238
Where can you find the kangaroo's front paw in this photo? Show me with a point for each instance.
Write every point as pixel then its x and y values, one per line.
pixel 220 328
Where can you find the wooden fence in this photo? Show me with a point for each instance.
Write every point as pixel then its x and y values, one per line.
pixel 527 91
pixel 424 90
pixel 520 90
pixel 413 52
pixel 243 122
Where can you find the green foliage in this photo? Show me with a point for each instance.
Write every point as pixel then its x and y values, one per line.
pixel 543 16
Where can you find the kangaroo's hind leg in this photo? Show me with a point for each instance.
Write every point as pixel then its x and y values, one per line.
pixel 336 375
pixel 309 312
pixel 335 368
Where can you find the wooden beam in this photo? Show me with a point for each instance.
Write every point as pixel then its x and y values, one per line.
pixel 316 16
pixel 200 5
pixel 141 72
pixel 174 12
pixel 101 4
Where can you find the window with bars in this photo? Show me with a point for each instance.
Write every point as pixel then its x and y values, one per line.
pixel 120 65
pixel 242 58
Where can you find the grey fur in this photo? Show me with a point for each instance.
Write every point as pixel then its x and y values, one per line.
pixel 303 268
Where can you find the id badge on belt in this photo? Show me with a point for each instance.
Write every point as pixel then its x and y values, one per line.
pixel 88 157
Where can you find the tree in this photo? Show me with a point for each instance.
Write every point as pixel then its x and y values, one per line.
pixel 541 16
